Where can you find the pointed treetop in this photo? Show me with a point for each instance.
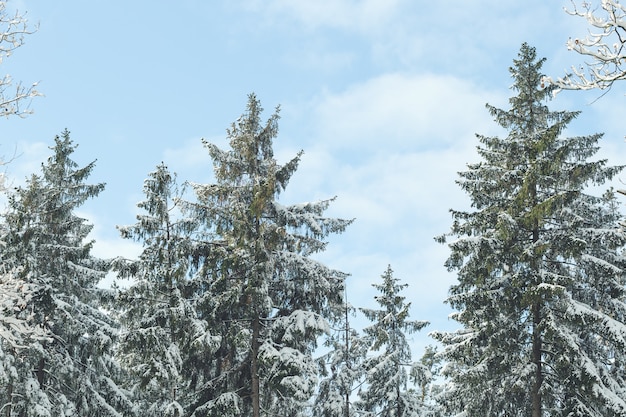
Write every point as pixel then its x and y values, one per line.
pixel 251 139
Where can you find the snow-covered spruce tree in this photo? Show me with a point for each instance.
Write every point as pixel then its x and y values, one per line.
pixel 341 370
pixel 257 284
pixel 17 332
pixel 15 295
pixel 73 372
pixel 386 391
pixel 161 328
pixel 540 292
pixel 427 377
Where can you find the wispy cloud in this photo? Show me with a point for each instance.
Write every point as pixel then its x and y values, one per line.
pixel 398 112
pixel 352 15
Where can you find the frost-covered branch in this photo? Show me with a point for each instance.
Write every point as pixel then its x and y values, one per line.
pixel 14 97
pixel 603 45
pixel 15 330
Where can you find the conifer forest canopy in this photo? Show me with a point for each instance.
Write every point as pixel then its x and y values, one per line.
pixel 232 304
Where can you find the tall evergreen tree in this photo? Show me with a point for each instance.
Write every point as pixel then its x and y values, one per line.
pixel 386 391
pixel 257 283
pixel 540 292
pixel 73 372
pixel 162 330
pixel 341 369
pixel 427 377
pixel 17 332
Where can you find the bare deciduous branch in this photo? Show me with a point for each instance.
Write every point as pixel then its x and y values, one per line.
pixel 604 46
pixel 14 97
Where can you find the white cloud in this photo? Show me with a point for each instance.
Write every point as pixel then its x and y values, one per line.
pixel 25 160
pixel 317 57
pixel 357 15
pixel 464 38
pixel 191 161
pixel 190 155
pixel 402 111
pixel 400 203
pixel 390 149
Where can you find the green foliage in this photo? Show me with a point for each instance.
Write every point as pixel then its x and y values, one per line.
pixel 73 371
pixel 163 334
pixel 387 390
pixel 341 370
pixel 255 283
pixel 534 261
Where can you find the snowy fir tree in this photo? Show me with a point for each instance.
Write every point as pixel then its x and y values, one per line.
pixel 15 294
pixel 427 378
pixel 17 331
pixel 161 328
pixel 257 284
pixel 540 291
pixel 341 370
pixel 72 372
pixel 386 391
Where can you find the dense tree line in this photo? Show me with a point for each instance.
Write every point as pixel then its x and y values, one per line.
pixel 228 312
pixel 225 309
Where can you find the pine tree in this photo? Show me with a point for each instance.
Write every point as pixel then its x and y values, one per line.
pixel 257 284
pixel 162 330
pixel 540 292
pixel 72 372
pixel 386 391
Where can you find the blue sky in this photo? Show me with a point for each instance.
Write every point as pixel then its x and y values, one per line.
pixel 384 96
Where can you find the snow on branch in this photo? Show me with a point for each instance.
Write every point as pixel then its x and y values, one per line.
pixel 14 97
pixel 15 330
pixel 603 46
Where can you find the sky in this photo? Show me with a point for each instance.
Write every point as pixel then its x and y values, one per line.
pixel 384 97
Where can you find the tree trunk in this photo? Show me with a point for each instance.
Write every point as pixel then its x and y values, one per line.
pixel 536 359
pixel 347 354
pixel 40 372
pixel 256 404
pixel 398 402
pixel 9 400
pixel 536 313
